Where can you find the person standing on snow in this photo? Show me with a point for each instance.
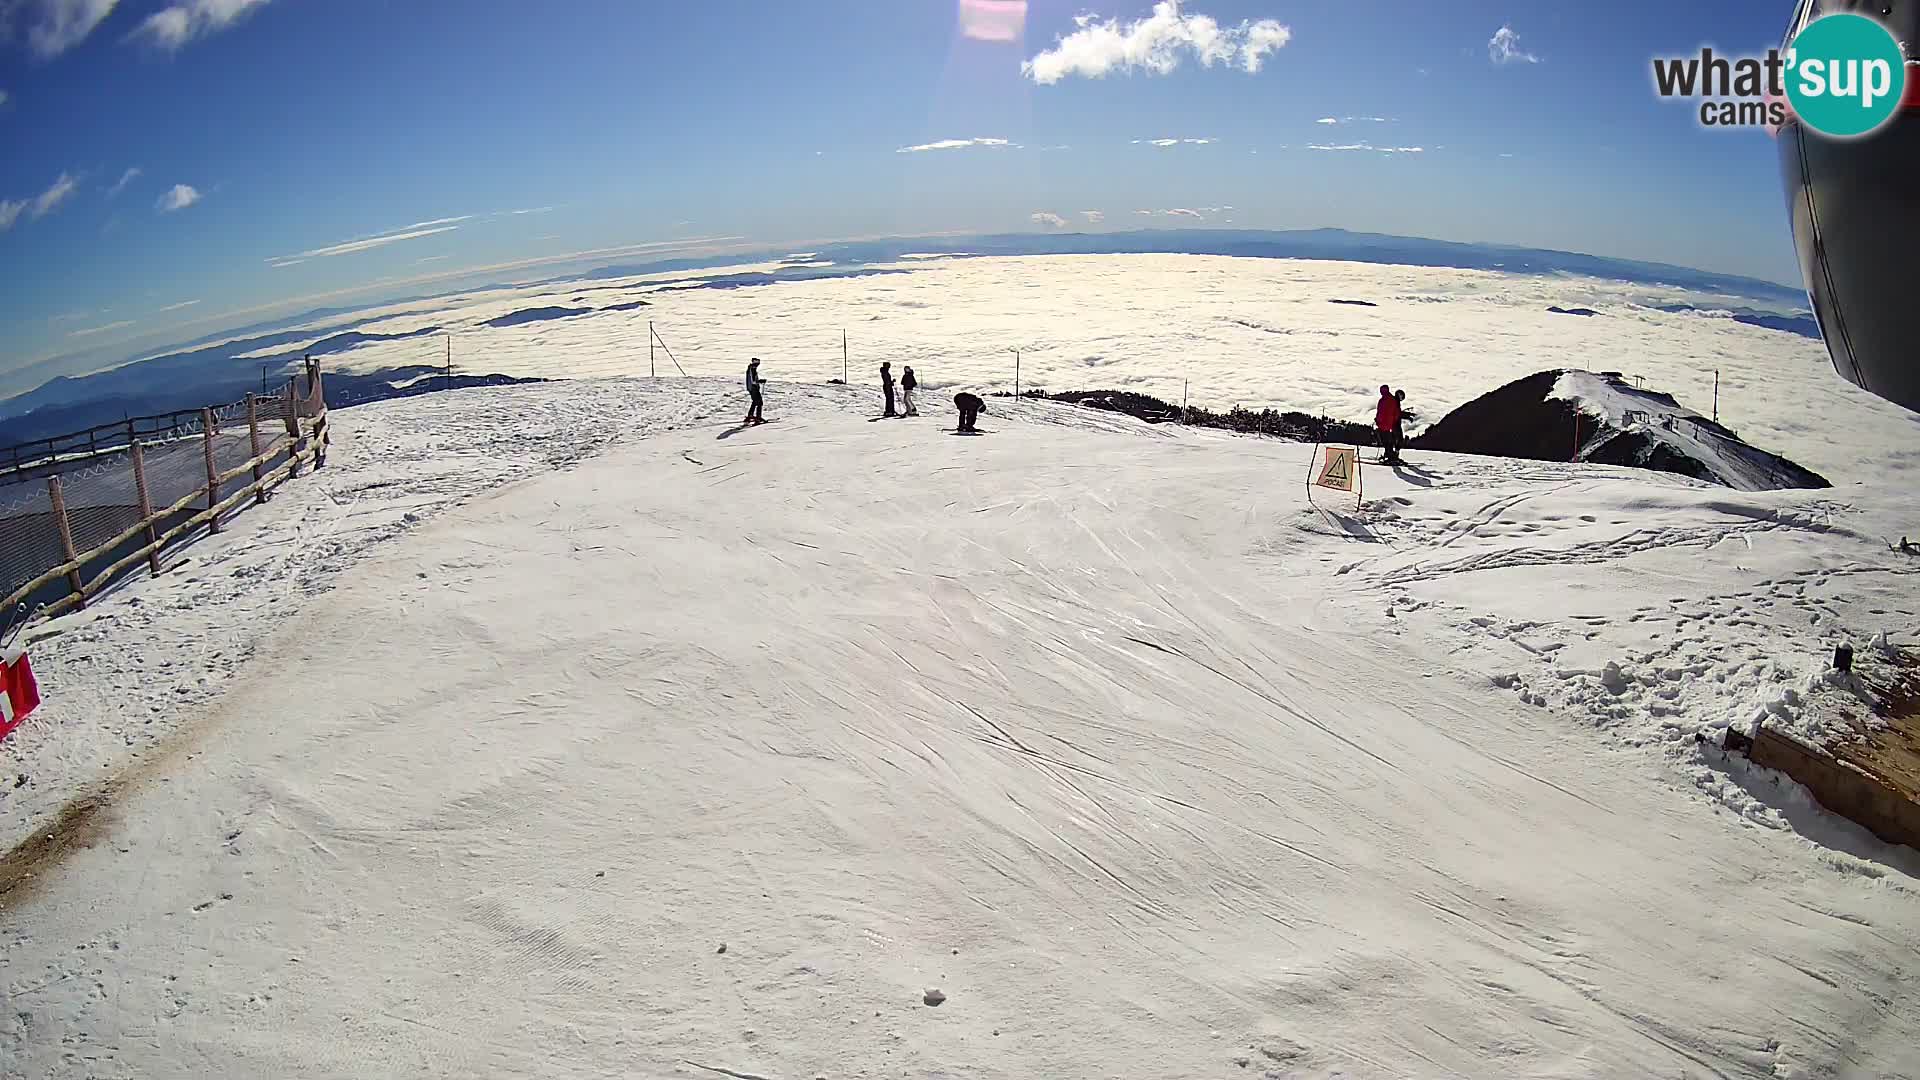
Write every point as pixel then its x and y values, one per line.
pixel 1399 422
pixel 886 383
pixel 754 404
pixel 1386 420
pixel 907 383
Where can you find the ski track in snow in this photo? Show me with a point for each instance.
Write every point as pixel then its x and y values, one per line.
pixel 1096 726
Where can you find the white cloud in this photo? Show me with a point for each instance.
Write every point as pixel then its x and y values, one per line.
pixel 1164 143
pixel 1355 120
pixel 53 26
pixel 92 330
pixel 431 258
pixel 1156 45
pixel 1184 212
pixel 1145 213
pixel 952 144
pixel 49 200
pixel 176 307
pixel 126 178
pixel 1504 48
pixel 1050 220
pixel 175 25
pixel 533 210
pixel 441 221
pixel 353 246
pixel 40 205
pixel 1368 148
pixel 1094 217
pixel 178 197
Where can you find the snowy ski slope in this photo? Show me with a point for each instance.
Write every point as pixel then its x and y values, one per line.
pixel 711 752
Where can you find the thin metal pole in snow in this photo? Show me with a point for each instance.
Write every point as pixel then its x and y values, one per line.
pixel 843 356
pixel 650 349
pixel 449 361
pixel 668 349
pixel 1016 373
pixel 1716 395
pixel 1184 384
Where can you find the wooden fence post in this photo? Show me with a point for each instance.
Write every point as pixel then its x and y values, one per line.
pixel 146 505
pixel 322 431
pixel 66 538
pixel 253 444
pixel 293 429
pixel 213 470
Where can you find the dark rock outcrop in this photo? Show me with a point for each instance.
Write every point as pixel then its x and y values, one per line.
pixel 1286 425
pixel 1564 415
pixel 539 314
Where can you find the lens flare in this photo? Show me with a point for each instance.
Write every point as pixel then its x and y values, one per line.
pixel 993 20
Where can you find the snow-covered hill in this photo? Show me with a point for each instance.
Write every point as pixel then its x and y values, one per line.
pixel 1561 415
pixel 713 752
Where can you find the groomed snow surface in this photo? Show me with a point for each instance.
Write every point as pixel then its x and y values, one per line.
pixel 713 752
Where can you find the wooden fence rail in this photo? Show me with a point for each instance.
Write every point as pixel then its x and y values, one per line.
pixel 306 443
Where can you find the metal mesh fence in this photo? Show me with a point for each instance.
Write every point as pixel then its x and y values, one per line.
pixel 29 540
pixel 101 496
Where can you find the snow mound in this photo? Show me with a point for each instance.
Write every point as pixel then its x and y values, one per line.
pixel 1563 415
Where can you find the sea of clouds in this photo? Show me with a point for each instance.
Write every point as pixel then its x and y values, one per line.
pixel 1224 331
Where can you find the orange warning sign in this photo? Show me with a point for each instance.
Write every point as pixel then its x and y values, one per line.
pixel 1340 470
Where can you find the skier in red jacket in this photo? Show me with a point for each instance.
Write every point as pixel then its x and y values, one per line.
pixel 1386 419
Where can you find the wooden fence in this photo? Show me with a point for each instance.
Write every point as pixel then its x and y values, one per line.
pixel 273 457
pixel 100 440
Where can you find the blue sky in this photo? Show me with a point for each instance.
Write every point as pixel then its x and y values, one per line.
pixel 175 166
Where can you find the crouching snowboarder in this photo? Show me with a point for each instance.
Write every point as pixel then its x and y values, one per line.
pixel 970 407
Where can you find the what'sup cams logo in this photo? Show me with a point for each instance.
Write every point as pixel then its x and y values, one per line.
pixel 1842 76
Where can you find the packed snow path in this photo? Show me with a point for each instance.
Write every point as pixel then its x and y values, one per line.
pixel 714 753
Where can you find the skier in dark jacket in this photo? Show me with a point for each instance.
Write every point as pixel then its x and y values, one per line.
pixel 754 404
pixel 886 383
pixel 970 407
pixel 907 383
pixel 1399 422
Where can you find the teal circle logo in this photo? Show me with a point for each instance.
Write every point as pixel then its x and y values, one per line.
pixel 1845 75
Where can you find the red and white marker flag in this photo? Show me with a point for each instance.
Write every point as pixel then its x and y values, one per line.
pixel 19 693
